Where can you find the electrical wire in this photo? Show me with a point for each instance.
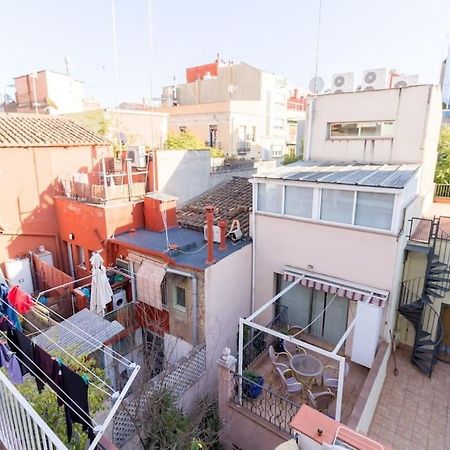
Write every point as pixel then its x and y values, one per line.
pixel 46 383
pixel 320 314
pixel 57 345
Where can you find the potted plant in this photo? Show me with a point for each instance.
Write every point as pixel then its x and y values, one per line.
pixel 252 384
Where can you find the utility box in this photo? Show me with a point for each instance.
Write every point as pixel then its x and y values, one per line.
pixel 160 211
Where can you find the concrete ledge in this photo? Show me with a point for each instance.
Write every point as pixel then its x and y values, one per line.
pixel 366 403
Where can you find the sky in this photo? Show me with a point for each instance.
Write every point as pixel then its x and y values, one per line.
pixel 275 35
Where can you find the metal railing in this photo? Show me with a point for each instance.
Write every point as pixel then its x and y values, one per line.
pixel 257 346
pixel 442 190
pixel 421 230
pixel 21 427
pixel 243 148
pixel 267 404
pixel 410 290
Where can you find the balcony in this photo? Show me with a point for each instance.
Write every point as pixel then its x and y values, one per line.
pixel 243 148
pixel 213 144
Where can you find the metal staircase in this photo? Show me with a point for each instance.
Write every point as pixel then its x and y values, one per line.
pixel 417 295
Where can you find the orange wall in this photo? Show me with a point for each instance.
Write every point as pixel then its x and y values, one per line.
pixel 28 182
pixel 91 225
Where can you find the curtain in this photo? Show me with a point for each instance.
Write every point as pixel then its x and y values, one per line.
pixel 148 283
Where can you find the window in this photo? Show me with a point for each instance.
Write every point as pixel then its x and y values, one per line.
pixel 80 255
pixel 270 197
pixel 337 205
pixel 346 130
pixel 278 124
pixel 279 99
pixel 179 298
pixel 253 135
pixel 298 201
pixel 277 151
pixel 374 210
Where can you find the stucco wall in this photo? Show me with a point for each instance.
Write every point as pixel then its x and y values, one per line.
pixel 408 107
pixel 29 181
pixel 227 298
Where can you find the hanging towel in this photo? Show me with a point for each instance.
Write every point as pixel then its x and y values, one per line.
pixel 76 395
pixel 9 361
pixel 19 300
pixel 5 324
pixel 6 309
pixel 52 375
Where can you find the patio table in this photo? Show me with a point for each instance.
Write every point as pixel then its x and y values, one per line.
pixel 306 367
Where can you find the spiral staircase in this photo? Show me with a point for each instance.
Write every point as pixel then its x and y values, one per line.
pixel 417 295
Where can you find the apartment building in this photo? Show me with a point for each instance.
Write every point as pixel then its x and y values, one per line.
pixel 236 107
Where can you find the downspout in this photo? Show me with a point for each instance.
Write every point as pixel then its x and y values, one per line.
pixel 194 299
pixel 309 120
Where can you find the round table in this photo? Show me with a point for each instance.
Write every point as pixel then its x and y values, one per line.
pixel 306 367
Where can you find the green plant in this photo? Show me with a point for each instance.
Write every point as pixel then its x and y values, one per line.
pixel 251 375
pixel 442 174
pixel 185 140
pixel 289 159
pixel 216 152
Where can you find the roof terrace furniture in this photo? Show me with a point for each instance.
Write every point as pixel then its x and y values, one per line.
pixel 279 357
pixel 331 375
pixel 290 384
pixel 295 330
pixel 321 400
pixel 291 349
pixel 307 368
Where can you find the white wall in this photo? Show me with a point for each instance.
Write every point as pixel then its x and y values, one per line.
pixel 413 109
pixel 227 298
pixel 65 92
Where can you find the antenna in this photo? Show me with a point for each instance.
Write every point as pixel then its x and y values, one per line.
pixel 67 64
pixel 316 78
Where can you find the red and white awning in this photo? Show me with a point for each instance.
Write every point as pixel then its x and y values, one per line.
pixel 376 297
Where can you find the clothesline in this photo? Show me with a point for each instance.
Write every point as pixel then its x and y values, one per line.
pixel 31 371
pixel 63 349
pixel 110 352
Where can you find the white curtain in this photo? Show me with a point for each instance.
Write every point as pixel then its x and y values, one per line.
pixel 374 210
pixel 298 201
pixel 270 197
pixel 337 205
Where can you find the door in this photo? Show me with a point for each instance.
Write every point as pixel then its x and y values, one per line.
pixel 212 135
pixel 153 352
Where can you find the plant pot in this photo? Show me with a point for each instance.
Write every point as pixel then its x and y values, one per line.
pixel 252 388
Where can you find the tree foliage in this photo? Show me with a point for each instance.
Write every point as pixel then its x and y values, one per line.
pixel 443 162
pixel 46 405
pixel 183 141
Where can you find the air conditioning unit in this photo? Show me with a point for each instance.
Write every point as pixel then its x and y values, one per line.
pixel 119 299
pixel 374 79
pixel 402 81
pixel 216 233
pixel 137 155
pixel 343 82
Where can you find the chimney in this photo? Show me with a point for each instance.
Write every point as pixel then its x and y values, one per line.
pixel 160 211
pixel 223 235
pixel 210 234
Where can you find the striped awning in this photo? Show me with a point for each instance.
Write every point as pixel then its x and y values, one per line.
pixel 375 297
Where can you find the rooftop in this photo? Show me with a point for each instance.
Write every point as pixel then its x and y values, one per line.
pixel 192 246
pixel 39 130
pixel 394 176
pixel 232 200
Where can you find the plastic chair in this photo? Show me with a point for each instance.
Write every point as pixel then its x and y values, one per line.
pixel 279 357
pixel 331 375
pixel 321 400
pixel 290 384
pixel 291 349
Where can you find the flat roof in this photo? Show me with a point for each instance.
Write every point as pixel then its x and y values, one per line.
pixel 356 174
pixel 191 242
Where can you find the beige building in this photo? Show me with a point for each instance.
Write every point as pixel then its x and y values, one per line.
pixel 236 107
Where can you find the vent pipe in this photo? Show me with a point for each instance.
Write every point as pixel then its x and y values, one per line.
pixel 210 234
pixel 223 234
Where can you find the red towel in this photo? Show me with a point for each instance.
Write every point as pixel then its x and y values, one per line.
pixel 19 300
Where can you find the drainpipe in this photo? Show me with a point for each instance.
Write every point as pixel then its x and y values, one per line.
pixel 307 140
pixel 252 305
pixel 210 234
pixel 223 234
pixel 194 299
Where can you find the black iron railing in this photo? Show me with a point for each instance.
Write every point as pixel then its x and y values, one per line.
pixel 442 190
pixel 421 230
pixel 411 290
pixel 256 342
pixel 264 403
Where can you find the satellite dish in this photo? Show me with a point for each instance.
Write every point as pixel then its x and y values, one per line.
pixel 370 77
pixel 316 85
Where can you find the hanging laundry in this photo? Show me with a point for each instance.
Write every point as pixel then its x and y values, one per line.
pixel 5 324
pixel 76 396
pixel 9 361
pixel 20 300
pixel 6 309
pixel 52 373
pixel 23 347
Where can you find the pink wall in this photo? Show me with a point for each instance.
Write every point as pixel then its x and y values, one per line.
pixel 28 182
pixel 353 255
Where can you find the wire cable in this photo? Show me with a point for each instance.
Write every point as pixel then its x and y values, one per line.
pixel 46 383
pixel 57 345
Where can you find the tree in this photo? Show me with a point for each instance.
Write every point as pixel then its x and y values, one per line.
pixel 442 174
pixel 184 140
pixel 46 405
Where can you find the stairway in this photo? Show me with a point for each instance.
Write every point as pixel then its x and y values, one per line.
pixel 417 308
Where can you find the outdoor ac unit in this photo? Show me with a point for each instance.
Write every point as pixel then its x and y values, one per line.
pixel 119 299
pixel 137 155
pixel 343 82
pixel 374 79
pixel 401 81
pixel 216 233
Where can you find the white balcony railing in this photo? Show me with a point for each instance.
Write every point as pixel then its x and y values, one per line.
pixel 21 427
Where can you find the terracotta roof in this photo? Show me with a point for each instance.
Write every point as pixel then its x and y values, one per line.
pixel 233 200
pixel 39 130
